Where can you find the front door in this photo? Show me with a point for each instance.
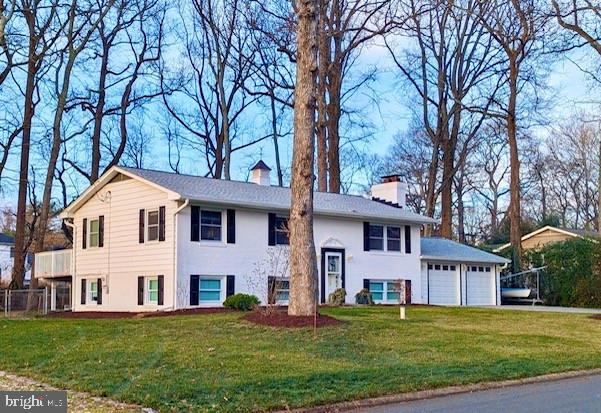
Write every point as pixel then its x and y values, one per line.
pixel 332 274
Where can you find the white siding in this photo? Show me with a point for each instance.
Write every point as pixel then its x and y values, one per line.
pixel 123 259
pixel 250 252
pixel 6 264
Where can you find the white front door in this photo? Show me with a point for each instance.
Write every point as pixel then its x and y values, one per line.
pixel 333 272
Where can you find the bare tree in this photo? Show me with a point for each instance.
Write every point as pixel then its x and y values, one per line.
pixel 44 28
pixel 517 27
pixel 303 265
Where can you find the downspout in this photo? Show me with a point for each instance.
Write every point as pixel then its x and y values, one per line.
pixel 174 271
pixel 73 262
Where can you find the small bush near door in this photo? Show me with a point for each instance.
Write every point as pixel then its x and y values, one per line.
pixel 364 297
pixel 337 297
pixel 241 302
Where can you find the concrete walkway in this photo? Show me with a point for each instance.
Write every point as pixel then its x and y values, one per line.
pixel 579 394
pixel 545 309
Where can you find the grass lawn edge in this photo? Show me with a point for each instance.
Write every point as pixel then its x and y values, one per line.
pixel 441 392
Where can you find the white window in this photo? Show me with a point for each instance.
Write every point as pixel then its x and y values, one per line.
pixel 92 292
pixel 386 292
pixel 209 290
pixel 384 238
pixel 281 231
pixel 210 225
pixel 152 232
pixel 152 290
pixel 94 232
pixel 282 290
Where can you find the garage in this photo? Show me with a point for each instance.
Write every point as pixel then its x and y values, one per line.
pixel 480 285
pixel 443 284
pixel 459 274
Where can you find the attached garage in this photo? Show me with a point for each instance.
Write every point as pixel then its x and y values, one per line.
pixel 458 274
pixel 443 284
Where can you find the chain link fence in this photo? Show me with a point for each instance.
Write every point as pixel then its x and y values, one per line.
pixel 24 303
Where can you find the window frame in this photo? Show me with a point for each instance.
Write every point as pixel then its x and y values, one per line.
pixel 277 290
pixel 385 291
pixel 385 238
pixel 148 225
pixel 148 291
pixel 90 292
pixel 281 231
pixel 221 290
pixel 220 226
pixel 90 233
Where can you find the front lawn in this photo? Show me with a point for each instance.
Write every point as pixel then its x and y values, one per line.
pixel 218 362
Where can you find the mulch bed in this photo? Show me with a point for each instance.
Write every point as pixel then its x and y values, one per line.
pixel 596 317
pixel 282 319
pixel 124 314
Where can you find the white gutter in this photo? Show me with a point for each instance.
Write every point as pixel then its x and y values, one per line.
pixel 174 271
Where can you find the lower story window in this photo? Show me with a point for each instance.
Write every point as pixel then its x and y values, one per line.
pixel 152 290
pixel 210 289
pixel 282 290
pixel 92 291
pixel 385 291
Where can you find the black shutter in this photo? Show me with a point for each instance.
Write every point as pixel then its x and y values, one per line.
pixel 230 288
pixel 195 224
pixel 366 283
pixel 407 291
pixel 231 226
pixel 366 236
pixel 408 239
pixel 141 227
pixel 194 287
pixel 270 289
pixel 84 233
pixel 83 291
pixel 161 289
pixel 101 231
pixel 162 223
pixel 140 290
pixel 271 229
pixel 99 289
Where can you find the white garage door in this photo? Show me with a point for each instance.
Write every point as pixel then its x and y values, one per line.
pixel 480 285
pixel 444 284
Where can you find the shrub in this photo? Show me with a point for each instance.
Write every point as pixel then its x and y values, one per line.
pixel 364 297
pixel 241 302
pixel 337 297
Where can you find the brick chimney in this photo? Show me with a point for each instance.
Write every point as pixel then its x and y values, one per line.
pixel 261 174
pixel 391 190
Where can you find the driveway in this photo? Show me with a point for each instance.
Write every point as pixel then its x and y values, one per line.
pixel 545 309
pixel 580 394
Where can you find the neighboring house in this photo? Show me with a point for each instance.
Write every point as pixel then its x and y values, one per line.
pixel 7 256
pixel 148 240
pixel 548 235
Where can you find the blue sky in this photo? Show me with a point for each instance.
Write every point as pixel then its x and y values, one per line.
pixel 388 118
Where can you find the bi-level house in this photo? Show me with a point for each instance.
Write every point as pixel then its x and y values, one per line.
pixel 155 241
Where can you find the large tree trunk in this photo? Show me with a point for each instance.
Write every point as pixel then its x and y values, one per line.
pixel 276 145
pixel 515 232
pixel 448 173
pixel 334 112
pixel 431 189
pixel 322 114
pixel 18 274
pixel 303 265
pixel 99 113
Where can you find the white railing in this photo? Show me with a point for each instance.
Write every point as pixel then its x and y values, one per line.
pixel 51 264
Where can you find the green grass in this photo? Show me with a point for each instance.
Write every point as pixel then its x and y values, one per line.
pixel 217 362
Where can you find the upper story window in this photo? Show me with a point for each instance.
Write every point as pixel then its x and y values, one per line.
pixel 384 238
pixel 210 225
pixel 153 225
pixel 281 231
pixel 94 232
